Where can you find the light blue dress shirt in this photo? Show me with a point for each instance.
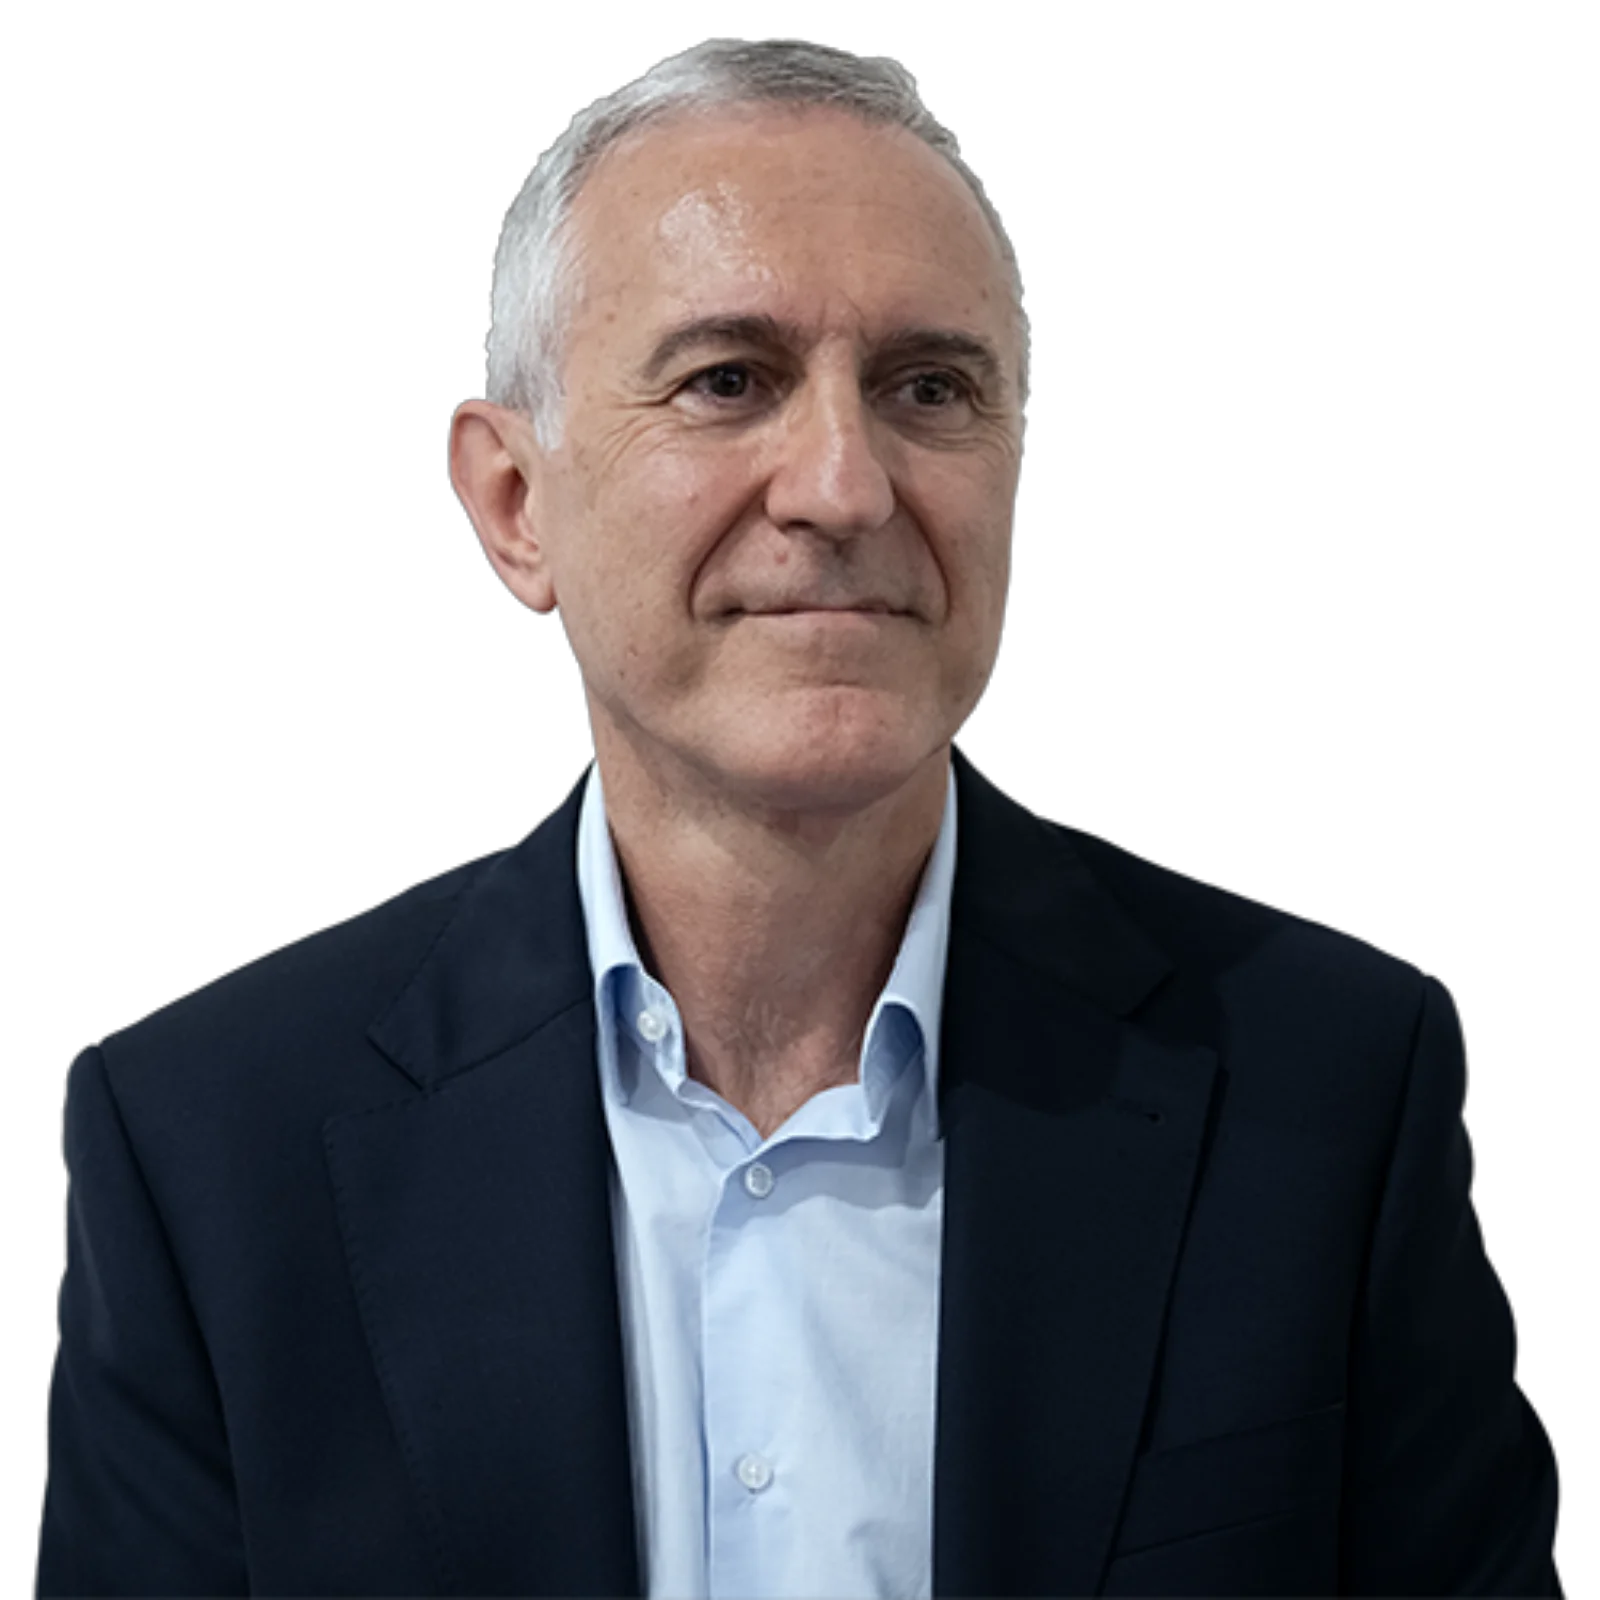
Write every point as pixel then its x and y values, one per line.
pixel 780 1297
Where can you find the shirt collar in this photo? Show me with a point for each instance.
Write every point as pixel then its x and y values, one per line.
pixel 916 982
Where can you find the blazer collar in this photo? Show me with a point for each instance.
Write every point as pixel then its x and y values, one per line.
pixel 515 953
pixel 477 1227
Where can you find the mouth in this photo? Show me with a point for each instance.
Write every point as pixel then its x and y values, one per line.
pixel 820 622
pixel 865 608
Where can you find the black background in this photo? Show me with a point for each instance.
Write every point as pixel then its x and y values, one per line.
pixel 1282 600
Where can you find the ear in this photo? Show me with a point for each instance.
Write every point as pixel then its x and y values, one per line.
pixel 495 462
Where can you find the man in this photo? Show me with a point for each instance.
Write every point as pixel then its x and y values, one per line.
pixel 795 1169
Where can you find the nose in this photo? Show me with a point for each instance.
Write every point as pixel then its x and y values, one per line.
pixel 830 476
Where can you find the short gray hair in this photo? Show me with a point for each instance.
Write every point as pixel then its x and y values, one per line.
pixel 532 264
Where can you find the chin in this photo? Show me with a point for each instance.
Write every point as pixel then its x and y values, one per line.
pixel 835 752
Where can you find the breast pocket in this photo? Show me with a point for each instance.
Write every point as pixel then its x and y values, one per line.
pixel 1233 1479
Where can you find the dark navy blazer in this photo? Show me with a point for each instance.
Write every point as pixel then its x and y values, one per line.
pixel 340 1313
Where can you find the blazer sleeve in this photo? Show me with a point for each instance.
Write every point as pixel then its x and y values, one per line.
pixel 140 1497
pixel 1450 1483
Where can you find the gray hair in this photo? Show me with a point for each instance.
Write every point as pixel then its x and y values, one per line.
pixel 532 265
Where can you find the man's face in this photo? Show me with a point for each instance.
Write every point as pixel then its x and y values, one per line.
pixel 777 521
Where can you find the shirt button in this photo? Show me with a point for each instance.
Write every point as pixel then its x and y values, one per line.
pixel 652 1027
pixel 753 1473
pixel 758 1180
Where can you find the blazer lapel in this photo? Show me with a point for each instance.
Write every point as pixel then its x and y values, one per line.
pixel 476 1222
pixel 1073 1145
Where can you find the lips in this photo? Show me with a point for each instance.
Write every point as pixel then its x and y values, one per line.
pixel 879 608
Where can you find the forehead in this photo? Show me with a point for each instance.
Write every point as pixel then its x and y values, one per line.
pixel 811 215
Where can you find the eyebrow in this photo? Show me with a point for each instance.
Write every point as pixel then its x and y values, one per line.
pixel 771 333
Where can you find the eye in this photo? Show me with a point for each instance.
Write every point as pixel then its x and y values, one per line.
pixel 933 389
pixel 728 380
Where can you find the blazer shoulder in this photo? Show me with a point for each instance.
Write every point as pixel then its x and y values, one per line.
pixel 295 1006
pixel 1211 933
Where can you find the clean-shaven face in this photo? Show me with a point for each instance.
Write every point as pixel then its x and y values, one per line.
pixel 777 521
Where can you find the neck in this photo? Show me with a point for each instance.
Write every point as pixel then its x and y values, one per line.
pixel 773 928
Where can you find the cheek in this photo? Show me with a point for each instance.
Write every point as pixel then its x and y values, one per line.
pixel 622 590
pixel 975 558
pixel 653 465
pixel 978 601
pixel 661 510
pixel 992 526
